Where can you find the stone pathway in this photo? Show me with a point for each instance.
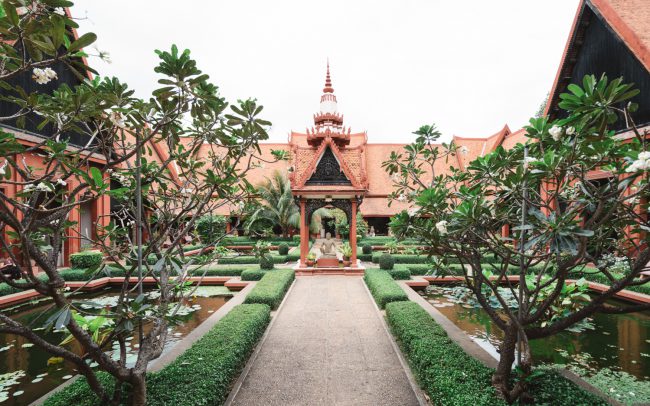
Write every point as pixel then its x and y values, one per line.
pixel 327 346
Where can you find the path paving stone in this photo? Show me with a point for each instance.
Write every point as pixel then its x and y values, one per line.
pixel 327 346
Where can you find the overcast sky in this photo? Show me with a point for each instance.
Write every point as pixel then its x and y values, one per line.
pixel 470 66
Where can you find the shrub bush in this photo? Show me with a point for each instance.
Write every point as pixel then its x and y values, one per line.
pixel 249 259
pixel 400 274
pixel 271 288
pixel 386 262
pixel 86 259
pixel 210 228
pixel 283 249
pixel 404 258
pixel 383 287
pixel 252 274
pixel 366 249
pixel 223 271
pixel 266 262
pixel 201 375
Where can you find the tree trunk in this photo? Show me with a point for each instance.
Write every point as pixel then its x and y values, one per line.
pixel 138 390
pixel 502 376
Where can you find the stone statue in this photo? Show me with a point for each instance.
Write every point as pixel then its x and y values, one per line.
pixel 328 248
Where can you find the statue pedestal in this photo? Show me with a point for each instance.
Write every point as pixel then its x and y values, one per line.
pixel 327 262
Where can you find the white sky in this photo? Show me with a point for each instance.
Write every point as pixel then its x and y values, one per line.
pixel 470 66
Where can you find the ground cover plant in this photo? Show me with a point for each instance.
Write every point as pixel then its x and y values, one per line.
pixel 561 219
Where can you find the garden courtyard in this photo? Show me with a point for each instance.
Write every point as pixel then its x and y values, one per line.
pixel 170 249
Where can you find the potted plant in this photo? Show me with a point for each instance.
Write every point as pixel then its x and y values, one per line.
pixel 311 259
pixel 346 250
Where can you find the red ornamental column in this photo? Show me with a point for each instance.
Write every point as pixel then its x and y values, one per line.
pixel 353 233
pixel 304 235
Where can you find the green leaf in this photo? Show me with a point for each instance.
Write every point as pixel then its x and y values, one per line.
pixel 82 42
pixel 97 176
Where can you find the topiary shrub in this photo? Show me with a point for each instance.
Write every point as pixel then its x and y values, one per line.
pixel 386 262
pixel 283 249
pixel 266 262
pixel 86 259
pixel 210 228
pixel 366 249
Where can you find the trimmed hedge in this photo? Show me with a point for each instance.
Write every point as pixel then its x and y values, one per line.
pixel 271 288
pixel 383 287
pixel 252 274
pixel 202 375
pixel 403 258
pixel 86 259
pixel 225 271
pixel 249 259
pixel 452 377
pixel 366 249
pixel 400 274
pixel 386 262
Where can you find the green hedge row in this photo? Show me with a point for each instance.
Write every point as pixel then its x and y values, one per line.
pixel 403 258
pixel 250 241
pixel 383 287
pixel 271 288
pixel 249 259
pixel 86 259
pixel 202 375
pixel 400 274
pixel 383 240
pixel 252 274
pixel 452 377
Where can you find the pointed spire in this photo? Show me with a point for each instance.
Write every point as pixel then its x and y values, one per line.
pixel 328 81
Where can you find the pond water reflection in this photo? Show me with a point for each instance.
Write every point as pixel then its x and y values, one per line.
pixel 618 342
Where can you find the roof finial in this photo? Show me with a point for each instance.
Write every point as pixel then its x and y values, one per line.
pixel 328 81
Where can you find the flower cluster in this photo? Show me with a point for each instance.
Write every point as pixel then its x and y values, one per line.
pixel 124 181
pixel 117 119
pixel 41 187
pixel 527 161
pixel 43 76
pixel 441 226
pixel 641 164
pixel 401 198
pixel 556 132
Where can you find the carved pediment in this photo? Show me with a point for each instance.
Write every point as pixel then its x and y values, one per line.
pixel 328 171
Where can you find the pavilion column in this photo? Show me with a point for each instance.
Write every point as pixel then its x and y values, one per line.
pixel 304 234
pixel 353 233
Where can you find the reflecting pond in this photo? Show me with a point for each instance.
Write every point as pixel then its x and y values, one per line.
pixel 617 342
pixel 27 372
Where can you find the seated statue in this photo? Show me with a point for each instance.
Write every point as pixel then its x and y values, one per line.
pixel 328 248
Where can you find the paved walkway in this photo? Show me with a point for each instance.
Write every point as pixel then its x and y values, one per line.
pixel 327 346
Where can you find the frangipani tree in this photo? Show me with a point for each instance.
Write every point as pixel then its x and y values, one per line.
pixel 560 219
pixel 208 145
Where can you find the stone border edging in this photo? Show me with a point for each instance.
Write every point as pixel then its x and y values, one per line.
pixel 251 360
pixel 419 393
pixel 178 348
pixel 474 350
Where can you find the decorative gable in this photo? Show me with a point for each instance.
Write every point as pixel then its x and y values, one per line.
pixel 328 171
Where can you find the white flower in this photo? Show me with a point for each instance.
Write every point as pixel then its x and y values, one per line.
pixel 570 131
pixel 28 188
pixel 527 161
pixel 43 76
pixel 3 169
pixel 187 191
pixel 413 211
pixel 401 198
pixel 641 164
pixel 644 156
pixel 464 150
pixel 441 226
pixel 117 119
pixel 556 132
pixel 43 187
pixel 61 182
pixel 59 11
